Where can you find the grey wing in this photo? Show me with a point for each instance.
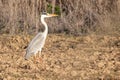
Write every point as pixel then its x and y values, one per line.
pixel 35 45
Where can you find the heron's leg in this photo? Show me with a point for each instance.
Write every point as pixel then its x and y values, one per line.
pixel 40 58
pixel 41 61
pixel 35 58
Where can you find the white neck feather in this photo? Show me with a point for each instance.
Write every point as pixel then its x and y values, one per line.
pixel 45 25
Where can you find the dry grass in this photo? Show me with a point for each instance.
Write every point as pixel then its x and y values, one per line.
pixel 65 57
pixel 91 57
pixel 76 17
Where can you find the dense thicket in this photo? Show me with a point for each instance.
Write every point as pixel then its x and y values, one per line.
pixel 76 17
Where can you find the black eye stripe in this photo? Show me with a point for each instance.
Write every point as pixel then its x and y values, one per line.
pixel 44 13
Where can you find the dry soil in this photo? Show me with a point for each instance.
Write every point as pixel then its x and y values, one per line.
pixel 64 57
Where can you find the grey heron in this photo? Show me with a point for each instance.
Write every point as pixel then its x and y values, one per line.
pixel 37 43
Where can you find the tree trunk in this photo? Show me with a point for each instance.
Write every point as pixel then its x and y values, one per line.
pixel 53 6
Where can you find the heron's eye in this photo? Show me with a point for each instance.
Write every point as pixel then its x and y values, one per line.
pixel 44 13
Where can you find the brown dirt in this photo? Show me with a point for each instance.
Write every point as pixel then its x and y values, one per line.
pixel 64 58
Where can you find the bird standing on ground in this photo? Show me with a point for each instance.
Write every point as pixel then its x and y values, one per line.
pixel 37 43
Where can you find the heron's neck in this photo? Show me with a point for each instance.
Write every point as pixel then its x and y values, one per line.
pixel 45 25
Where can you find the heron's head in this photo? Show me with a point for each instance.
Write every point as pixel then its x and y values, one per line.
pixel 45 15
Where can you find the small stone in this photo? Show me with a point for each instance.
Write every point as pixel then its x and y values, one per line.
pixel 73 73
pixel 101 64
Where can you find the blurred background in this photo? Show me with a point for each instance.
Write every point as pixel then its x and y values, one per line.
pixel 83 41
pixel 76 17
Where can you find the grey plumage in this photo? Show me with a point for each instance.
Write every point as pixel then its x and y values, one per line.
pixel 38 41
pixel 35 45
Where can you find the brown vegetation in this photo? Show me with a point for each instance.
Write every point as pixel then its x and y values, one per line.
pixel 76 17
pixel 93 56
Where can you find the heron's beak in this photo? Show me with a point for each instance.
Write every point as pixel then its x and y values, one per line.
pixel 51 15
